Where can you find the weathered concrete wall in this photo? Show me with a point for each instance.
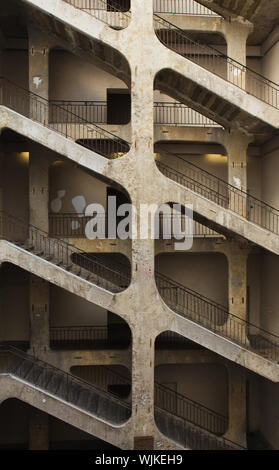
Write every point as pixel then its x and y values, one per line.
pixel 74 79
pixel 206 384
pixel 204 273
pixel 69 310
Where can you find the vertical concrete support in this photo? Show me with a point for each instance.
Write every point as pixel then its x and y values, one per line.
pixel 38 430
pixel 142 159
pixel 38 75
pixel 38 190
pixel 237 405
pixel 39 316
pixel 236 34
pixel 143 389
pixel 237 256
pixel 236 145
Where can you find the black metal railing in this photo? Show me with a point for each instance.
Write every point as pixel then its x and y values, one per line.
pixel 222 193
pixel 216 62
pixel 62 253
pixel 189 435
pixel 90 111
pixel 115 13
pixel 78 334
pixel 182 7
pixel 215 317
pixel 173 113
pixel 164 399
pixel 90 337
pixel 186 408
pixel 171 340
pixel 63 385
pixel 62 121
pixel 97 400
pixel 72 225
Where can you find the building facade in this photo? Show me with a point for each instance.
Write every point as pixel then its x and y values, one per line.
pixel 130 343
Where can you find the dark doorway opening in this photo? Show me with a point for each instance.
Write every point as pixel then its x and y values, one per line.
pixel 118 106
pixel 118 5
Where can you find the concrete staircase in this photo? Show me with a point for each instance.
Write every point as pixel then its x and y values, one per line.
pixel 211 101
pixel 99 53
pixel 111 278
pixel 101 405
pixel 62 254
pixel 228 197
pixel 216 318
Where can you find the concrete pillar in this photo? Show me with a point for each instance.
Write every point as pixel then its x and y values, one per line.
pixel 236 145
pixel 237 256
pixel 236 34
pixel 38 430
pixel 38 75
pixel 39 316
pixel 38 190
pixel 143 388
pixel 237 405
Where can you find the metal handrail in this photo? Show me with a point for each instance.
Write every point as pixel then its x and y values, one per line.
pixel 86 133
pixel 212 59
pixel 182 7
pixel 85 335
pixel 197 414
pixel 219 191
pixel 69 378
pixel 92 111
pixel 115 16
pixel 215 317
pixel 63 252
pixel 61 225
pixel 175 113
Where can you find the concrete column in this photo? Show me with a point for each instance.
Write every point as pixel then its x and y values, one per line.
pixel 38 190
pixel 237 256
pixel 38 430
pixel 38 75
pixel 237 405
pixel 39 316
pixel 237 286
pixel 143 388
pixel 236 145
pixel 142 93
pixel 236 34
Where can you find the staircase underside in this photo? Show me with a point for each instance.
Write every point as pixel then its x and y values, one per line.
pixel 198 96
pixel 221 219
pixel 100 54
pixel 264 15
pixel 226 348
pixel 13 387
pixel 208 103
